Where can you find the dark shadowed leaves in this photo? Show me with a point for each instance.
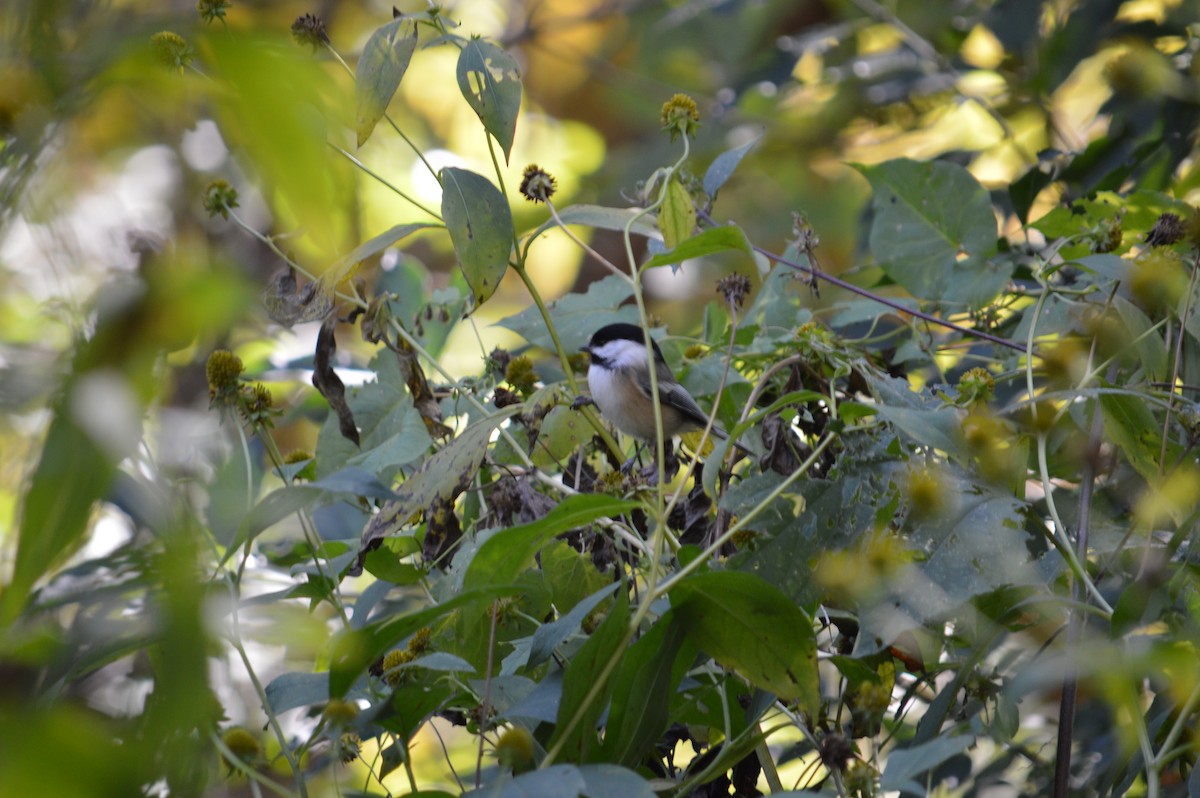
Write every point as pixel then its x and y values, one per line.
pixel 748 625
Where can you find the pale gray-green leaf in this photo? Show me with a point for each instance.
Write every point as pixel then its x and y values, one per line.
pixel 383 63
pixel 481 229
pixel 490 80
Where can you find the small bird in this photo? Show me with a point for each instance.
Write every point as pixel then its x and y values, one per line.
pixel 619 379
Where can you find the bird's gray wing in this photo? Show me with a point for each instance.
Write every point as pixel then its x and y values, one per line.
pixel 672 394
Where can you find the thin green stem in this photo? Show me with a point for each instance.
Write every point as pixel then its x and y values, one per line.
pixel 565 364
pixel 246 770
pixel 285 749
pixel 389 119
pixel 384 181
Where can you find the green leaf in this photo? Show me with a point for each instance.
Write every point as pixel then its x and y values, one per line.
pixel 481 228
pixel 920 417
pixel 384 61
pixel 345 267
pixel 509 552
pixel 390 428
pixel 353 650
pixel 550 635
pixel 905 764
pixel 490 80
pixel 1025 189
pixel 570 576
pixel 1129 424
pixel 449 471
pixel 576 316
pixel 934 231
pixel 610 781
pixel 677 219
pixel 291 690
pixel 563 431
pixel 723 165
pixel 643 686
pixel 576 725
pixel 615 219
pixel 748 625
pixel 715 239
pixel 1149 352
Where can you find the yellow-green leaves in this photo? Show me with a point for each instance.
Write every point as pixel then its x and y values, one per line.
pixel 490 80
pixel 481 228
pixel 383 63
pixel 677 219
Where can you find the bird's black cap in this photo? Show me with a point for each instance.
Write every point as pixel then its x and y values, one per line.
pixel 622 331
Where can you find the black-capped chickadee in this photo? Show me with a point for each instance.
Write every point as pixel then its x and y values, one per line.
pixel 619 379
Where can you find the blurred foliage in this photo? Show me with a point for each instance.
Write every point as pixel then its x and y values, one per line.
pixel 297 496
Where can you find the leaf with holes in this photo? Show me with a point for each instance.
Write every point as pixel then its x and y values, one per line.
pixel 490 80
pixel 481 229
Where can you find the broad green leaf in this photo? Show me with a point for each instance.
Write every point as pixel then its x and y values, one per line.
pixel 490 80
pixel 291 690
pixel 390 428
pixel 347 266
pixel 723 165
pixel 642 693
pixel 550 635
pixel 576 316
pixel 934 231
pixel 615 219
pixel 576 725
pixel 1129 424
pixel 677 217
pixel 920 417
pixel 749 625
pixel 73 473
pixel 383 63
pixel 1025 189
pixel 713 240
pixel 353 650
pixel 508 552
pixel 481 228
pixel 905 764
pixel 445 474
pixel 562 432
pixel 1149 352
pixel 570 575
pixel 610 781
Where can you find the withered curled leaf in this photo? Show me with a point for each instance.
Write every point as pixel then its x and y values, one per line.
pixel 326 380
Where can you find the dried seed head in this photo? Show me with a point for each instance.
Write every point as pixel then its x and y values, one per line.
pixel 310 29
pixel 734 287
pixel 212 9
pixel 538 185
pixel 171 50
pixel 1168 229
